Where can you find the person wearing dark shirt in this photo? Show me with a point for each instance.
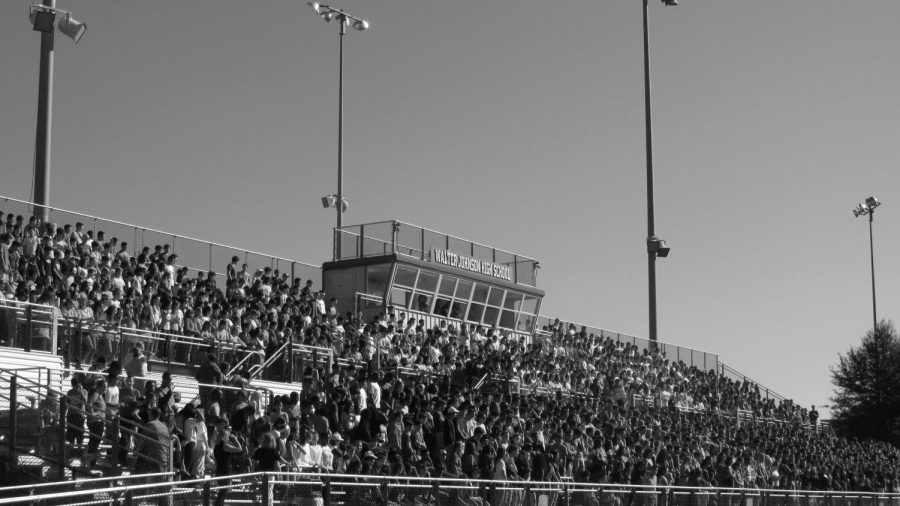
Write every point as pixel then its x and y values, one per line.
pixel 226 446
pixel 266 456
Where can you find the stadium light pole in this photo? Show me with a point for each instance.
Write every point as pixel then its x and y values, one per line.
pixel 656 247
pixel 868 209
pixel 344 19
pixel 43 18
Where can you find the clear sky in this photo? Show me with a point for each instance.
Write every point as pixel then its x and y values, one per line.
pixel 515 123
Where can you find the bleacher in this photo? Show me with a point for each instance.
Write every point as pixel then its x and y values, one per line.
pixel 557 381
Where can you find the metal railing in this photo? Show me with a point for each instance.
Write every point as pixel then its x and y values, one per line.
pixel 111 340
pixel 387 237
pixel 27 326
pixel 195 254
pixel 273 489
pixel 765 392
pixel 190 392
pixel 39 421
pixel 85 484
pixel 700 359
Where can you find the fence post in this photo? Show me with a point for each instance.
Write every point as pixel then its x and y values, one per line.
pixel 13 421
pixel 437 492
pixel 168 349
pixel 122 351
pixel 205 495
pixel 361 242
pixel 29 323
pixel 384 492
pixel 75 343
pixel 290 365
pixel 65 345
pixel 129 498
pixel 326 491
pixel 266 490
pixel 170 466
pixel 114 440
pixel 61 436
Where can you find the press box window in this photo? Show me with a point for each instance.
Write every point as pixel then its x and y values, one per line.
pixel 427 282
pixel 401 297
pixel 405 276
pixel 481 293
pixel 448 284
pixel 464 289
pixel 377 279
pixel 496 297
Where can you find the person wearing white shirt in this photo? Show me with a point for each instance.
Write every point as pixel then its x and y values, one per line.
pixel 304 453
pixel 373 389
pixel 195 432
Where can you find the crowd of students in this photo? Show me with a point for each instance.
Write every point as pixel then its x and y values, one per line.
pixel 404 399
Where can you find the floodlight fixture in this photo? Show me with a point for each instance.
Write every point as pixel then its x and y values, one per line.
pixel 658 247
pixel 42 20
pixel 670 3
pixel 328 13
pixel 331 200
pixel 72 28
pixel 43 17
pixel 867 207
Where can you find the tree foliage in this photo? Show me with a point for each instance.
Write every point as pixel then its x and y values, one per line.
pixel 867 387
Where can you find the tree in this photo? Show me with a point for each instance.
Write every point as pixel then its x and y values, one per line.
pixel 866 404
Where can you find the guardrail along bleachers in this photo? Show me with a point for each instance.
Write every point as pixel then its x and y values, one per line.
pixel 276 489
pixel 45 430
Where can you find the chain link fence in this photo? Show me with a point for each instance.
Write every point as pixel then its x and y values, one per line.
pixel 386 237
pixel 196 254
pixel 701 359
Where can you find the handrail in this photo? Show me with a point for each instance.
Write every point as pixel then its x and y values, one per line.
pixel 28 385
pixel 257 370
pixel 38 318
pixel 88 481
pixel 344 481
pixel 735 372
pixel 135 334
pixel 21 450
pixel 236 367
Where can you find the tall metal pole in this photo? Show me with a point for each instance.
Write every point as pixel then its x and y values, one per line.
pixel 340 192
pixel 651 225
pixel 872 259
pixel 41 195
